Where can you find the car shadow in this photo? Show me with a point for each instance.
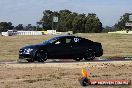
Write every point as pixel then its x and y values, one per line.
pixel 73 61
pixel 65 61
pixel 59 61
pixel 52 61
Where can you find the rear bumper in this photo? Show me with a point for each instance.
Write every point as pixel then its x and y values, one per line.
pixel 99 53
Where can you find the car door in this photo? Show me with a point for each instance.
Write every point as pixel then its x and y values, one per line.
pixel 77 47
pixel 60 48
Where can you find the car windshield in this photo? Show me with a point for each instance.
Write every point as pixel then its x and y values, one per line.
pixel 50 40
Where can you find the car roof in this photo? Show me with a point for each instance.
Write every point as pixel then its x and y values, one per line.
pixel 72 36
pixel 61 36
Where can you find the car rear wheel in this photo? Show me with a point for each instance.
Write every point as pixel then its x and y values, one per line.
pixel 41 55
pixel 89 55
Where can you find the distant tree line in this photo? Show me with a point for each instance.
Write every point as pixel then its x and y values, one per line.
pixel 68 21
pixel 121 23
pixel 29 27
pixel 5 26
pixel 71 21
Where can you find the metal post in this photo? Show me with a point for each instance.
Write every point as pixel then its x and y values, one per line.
pixel 52 24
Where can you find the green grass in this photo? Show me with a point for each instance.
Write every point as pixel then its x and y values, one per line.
pixel 113 44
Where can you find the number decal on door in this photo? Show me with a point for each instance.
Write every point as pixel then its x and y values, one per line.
pixel 76 39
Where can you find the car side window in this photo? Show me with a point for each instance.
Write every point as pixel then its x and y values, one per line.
pixel 59 41
pixel 63 41
pixel 68 40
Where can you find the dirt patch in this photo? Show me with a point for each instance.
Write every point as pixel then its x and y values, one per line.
pixel 61 75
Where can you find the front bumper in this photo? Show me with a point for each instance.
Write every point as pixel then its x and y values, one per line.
pixel 24 56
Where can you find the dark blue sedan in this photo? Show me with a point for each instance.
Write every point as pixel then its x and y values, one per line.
pixel 62 47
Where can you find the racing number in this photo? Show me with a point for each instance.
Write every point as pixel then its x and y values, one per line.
pixel 76 39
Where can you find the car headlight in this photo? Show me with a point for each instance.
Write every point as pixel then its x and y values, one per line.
pixel 28 50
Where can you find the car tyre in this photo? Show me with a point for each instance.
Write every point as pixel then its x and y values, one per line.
pixel 89 55
pixel 41 55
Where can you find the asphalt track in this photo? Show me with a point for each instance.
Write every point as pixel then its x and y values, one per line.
pixel 114 59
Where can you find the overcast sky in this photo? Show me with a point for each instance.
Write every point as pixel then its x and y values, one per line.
pixel 30 11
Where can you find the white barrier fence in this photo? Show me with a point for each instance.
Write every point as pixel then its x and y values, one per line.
pixel 29 33
pixel 122 32
pixel 11 32
pixel 50 32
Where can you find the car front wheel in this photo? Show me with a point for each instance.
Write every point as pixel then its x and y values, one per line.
pixel 41 55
